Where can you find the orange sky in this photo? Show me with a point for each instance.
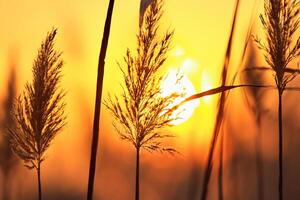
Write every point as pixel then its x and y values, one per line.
pixel 201 33
pixel 199 44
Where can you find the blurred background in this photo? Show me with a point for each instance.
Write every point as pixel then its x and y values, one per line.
pixel 201 33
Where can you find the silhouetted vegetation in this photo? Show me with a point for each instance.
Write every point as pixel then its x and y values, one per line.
pixel 280 22
pixel 142 110
pixel 39 111
pixel 100 75
pixel 255 100
pixel 142 114
pixel 8 161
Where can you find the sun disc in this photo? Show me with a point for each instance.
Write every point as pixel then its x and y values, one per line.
pixel 171 85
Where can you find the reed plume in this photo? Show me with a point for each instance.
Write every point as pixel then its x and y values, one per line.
pixel 281 23
pixel 39 111
pixel 142 111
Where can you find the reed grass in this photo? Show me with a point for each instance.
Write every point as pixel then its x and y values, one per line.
pixel 220 175
pixel 8 160
pixel 39 111
pixel 219 118
pixel 255 99
pixel 141 111
pixel 221 106
pixel 99 87
pixel 143 7
pixel 280 22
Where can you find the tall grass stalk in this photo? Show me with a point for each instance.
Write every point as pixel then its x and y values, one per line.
pixel 281 23
pixel 8 160
pixel 39 111
pixel 220 113
pixel 96 124
pixel 252 86
pixel 255 101
pixel 222 90
pixel 220 177
pixel 142 111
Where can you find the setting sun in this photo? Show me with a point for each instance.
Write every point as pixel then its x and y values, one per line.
pixel 95 97
pixel 175 82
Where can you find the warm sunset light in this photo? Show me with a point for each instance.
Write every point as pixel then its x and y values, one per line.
pixel 206 84
pixel 177 83
pixel 149 100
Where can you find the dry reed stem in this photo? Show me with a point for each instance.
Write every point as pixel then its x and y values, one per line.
pixel 96 123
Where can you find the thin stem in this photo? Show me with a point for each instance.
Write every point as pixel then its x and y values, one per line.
pixel 209 163
pixel 39 180
pixel 280 149
pixel 96 124
pixel 259 162
pixel 220 182
pixel 220 113
pixel 137 175
pixel 208 168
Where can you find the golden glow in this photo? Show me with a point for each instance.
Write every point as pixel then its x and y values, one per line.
pixel 177 83
pixel 200 39
pixel 189 65
pixel 178 52
pixel 206 85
